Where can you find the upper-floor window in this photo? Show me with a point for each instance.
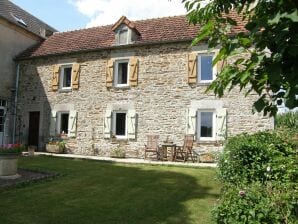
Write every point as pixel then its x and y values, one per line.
pixel 65 77
pixel 121 73
pixel 206 73
pixel 123 36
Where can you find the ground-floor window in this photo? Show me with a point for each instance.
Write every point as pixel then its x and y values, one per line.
pixel 63 119
pixel 2 115
pixel 119 124
pixel 206 125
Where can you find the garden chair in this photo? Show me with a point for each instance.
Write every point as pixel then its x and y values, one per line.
pixel 152 146
pixel 187 149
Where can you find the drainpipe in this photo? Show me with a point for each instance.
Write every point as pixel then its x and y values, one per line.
pixel 15 104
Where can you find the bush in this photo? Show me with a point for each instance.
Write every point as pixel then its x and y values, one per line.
pixel 261 157
pixel 259 175
pixel 287 120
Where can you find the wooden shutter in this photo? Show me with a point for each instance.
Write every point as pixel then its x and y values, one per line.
pixel 55 77
pixel 191 121
pixel 133 71
pixel 131 124
pixel 221 124
pixel 192 68
pixel 72 124
pixel 107 124
pixel 53 123
pixel 109 73
pixel 75 76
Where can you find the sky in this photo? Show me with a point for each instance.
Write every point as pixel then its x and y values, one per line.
pixel 65 15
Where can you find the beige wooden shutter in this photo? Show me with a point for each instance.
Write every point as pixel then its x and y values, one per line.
pixel 221 124
pixel 107 124
pixel 109 73
pixel 191 121
pixel 75 75
pixel 192 68
pixel 53 123
pixel 133 72
pixel 131 124
pixel 72 124
pixel 55 77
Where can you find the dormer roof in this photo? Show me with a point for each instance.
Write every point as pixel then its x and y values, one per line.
pixel 125 21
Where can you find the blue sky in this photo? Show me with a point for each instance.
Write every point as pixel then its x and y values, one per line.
pixel 67 15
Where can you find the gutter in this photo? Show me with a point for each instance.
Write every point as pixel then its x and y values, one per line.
pixel 15 104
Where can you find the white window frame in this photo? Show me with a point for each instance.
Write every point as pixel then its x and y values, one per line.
pixel 59 113
pixel 116 75
pixel 214 70
pixel 61 76
pixel 213 125
pixel 4 112
pixel 114 124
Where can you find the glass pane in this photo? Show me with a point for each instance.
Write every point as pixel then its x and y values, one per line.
pixel 120 123
pixel 206 67
pixel 123 37
pixel 67 77
pixel 1 120
pixel 206 124
pixel 1 128
pixel 64 123
pixel 1 112
pixel 122 73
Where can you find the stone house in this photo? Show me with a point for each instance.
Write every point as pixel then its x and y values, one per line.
pixel 18 31
pixel 110 85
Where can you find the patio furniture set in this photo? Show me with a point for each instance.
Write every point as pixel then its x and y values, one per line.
pixel 168 150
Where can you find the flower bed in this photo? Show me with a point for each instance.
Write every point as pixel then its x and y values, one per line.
pixel 9 159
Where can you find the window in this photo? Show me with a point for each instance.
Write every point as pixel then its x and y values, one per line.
pixel 121 73
pixel 2 115
pixel 119 124
pixel 65 77
pixel 63 119
pixel 205 70
pixel 206 125
pixel 123 36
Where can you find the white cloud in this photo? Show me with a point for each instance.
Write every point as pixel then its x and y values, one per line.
pixel 103 12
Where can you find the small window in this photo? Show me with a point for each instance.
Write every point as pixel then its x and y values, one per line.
pixel 205 70
pixel 119 124
pixel 65 77
pixel 206 125
pixel 121 73
pixel 63 121
pixel 123 36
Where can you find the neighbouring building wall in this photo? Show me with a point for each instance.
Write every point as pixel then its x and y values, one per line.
pixel 12 42
pixel 162 99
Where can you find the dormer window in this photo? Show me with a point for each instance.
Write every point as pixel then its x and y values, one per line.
pixel 123 36
pixel 125 31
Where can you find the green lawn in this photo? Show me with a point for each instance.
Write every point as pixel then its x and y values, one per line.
pixel 97 192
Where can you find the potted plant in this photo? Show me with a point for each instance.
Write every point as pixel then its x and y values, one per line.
pixel 55 145
pixel 9 159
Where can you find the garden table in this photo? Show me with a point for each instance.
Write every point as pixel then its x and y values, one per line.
pixel 171 147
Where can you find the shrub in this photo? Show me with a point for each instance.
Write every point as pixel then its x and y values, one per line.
pixel 257 203
pixel 287 120
pixel 259 175
pixel 261 157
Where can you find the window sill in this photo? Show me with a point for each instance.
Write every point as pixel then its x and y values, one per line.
pixel 204 83
pixel 209 142
pixel 64 90
pixel 121 87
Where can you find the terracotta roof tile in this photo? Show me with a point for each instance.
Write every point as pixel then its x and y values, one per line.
pixel 165 29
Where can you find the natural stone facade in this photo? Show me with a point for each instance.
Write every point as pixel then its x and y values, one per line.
pixel 161 98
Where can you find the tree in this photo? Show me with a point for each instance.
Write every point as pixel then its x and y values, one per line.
pixel 270 46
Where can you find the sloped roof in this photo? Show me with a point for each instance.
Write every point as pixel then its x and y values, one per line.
pixel 21 18
pixel 167 29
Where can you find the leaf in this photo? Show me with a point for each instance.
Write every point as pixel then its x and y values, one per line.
pixel 260 104
pixel 205 31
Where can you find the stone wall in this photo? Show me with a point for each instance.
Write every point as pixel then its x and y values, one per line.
pixel 161 98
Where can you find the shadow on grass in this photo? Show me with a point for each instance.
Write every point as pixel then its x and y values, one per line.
pixel 94 192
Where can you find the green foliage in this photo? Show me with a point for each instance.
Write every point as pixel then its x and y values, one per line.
pixel 287 120
pixel 256 203
pixel 247 158
pixel 11 149
pixel 270 46
pixel 259 175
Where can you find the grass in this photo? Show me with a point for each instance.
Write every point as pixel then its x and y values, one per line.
pixel 97 192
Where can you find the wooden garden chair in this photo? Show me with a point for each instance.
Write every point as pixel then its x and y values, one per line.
pixel 152 146
pixel 187 149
